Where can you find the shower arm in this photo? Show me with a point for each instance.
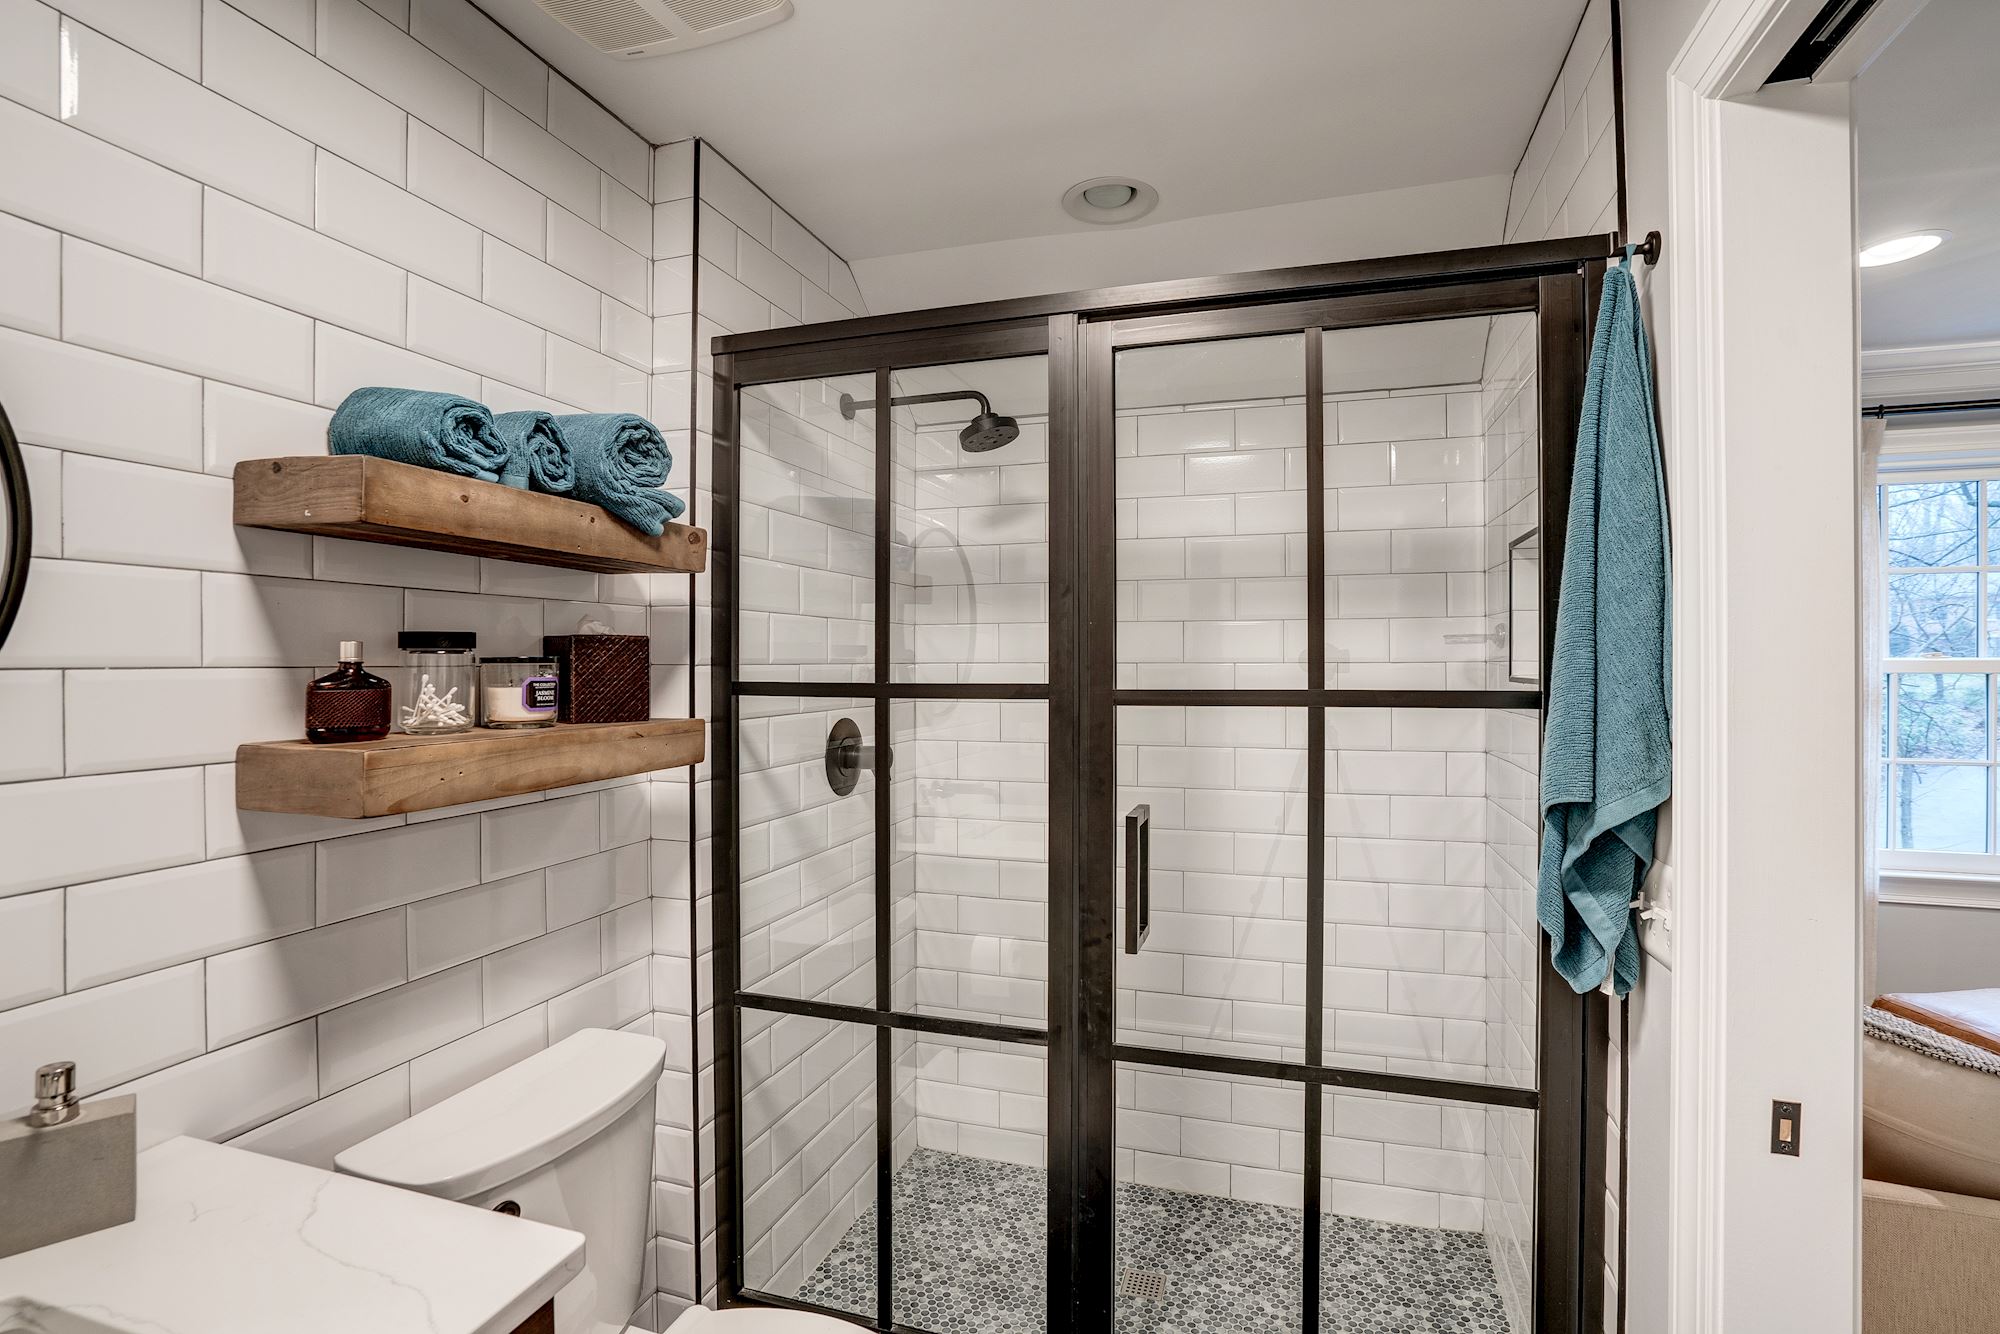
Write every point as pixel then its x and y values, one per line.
pixel 849 404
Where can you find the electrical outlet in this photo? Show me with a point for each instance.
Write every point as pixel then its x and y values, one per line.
pixel 1785 1128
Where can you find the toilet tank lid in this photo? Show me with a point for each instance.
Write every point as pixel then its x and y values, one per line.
pixel 513 1122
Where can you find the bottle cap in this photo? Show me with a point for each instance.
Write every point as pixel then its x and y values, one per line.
pixel 350 650
pixel 419 640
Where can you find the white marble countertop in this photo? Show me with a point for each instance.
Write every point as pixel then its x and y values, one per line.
pixel 232 1242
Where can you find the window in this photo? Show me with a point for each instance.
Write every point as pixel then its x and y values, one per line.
pixel 1941 614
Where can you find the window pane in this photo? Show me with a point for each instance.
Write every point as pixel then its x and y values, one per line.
pixel 1212 514
pixel 1992 517
pixel 969 859
pixel 1932 523
pixel 808 1160
pixel 969 555
pixel 1992 582
pixel 1884 832
pixel 1938 807
pixel 1941 716
pixel 806 592
pixel 1933 615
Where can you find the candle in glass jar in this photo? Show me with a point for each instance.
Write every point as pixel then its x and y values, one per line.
pixel 517 692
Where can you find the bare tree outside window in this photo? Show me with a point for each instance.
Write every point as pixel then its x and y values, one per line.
pixel 1942 605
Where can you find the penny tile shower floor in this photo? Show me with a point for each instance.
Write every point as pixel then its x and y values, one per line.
pixel 971 1246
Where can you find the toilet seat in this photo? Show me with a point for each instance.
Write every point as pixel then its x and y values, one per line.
pixel 756 1320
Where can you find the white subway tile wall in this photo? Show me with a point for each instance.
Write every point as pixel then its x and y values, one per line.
pixel 969 859
pixel 807 1170
pixel 1212 1135
pixel 808 527
pixel 966 1096
pixel 1567 180
pixel 806 600
pixel 807 918
pixel 217 219
pixel 1567 184
pixel 1513 941
pixel 969 556
pixel 806 854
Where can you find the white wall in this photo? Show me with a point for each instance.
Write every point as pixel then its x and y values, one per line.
pixel 229 217
pixel 1320 231
pixel 1790 1223
pixel 728 259
pixel 1929 947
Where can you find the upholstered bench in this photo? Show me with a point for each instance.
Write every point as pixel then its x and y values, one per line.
pixel 1930 1150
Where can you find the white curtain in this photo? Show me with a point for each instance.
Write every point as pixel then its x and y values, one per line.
pixel 1872 431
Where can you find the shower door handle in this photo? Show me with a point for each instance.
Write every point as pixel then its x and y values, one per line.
pixel 1138 876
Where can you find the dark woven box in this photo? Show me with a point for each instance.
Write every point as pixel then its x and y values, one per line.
pixel 605 678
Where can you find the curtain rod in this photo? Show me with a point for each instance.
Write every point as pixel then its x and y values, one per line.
pixel 1886 410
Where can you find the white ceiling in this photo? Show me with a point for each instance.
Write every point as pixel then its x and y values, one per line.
pixel 890 126
pixel 1928 124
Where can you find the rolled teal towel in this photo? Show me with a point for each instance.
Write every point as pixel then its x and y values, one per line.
pixel 621 462
pixel 417 426
pixel 537 455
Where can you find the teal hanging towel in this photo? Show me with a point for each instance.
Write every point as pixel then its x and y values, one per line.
pixel 1606 749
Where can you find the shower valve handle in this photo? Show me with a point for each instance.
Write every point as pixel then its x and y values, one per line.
pixel 847 759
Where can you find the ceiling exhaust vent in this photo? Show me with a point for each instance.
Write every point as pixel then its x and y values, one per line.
pixel 630 29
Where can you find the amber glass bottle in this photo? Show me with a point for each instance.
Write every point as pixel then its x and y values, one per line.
pixel 348 704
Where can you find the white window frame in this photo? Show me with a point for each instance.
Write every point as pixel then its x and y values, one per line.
pixel 1947 879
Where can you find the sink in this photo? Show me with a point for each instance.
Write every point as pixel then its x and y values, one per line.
pixel 25 1315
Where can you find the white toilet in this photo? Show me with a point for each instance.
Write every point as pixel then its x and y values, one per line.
pixel 566 1134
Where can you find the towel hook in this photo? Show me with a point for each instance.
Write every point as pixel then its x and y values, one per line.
pixel 1648 249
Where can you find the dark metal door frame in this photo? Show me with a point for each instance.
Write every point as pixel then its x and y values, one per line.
pixel 1079 332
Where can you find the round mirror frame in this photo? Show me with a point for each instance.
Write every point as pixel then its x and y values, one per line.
pixel 20 527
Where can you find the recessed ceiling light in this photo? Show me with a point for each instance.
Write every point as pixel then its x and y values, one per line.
pixel 1899 248
pixel 1110 199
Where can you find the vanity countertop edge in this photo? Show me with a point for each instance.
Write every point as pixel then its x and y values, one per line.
pixel 232 1242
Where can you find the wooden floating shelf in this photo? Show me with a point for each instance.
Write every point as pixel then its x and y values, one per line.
pixel 363 779
pixel 378 500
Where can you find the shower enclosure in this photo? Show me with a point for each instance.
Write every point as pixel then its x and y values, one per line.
pixel 1126 716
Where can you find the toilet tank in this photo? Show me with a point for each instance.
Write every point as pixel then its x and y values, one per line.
pixel 567 1136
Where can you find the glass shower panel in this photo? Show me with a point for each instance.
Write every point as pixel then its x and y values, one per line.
pixel 1210 1172
pixel 971 1213
pixel 806 852
pixel 806 528
pixel 1410 481
pixel 1431 940
pixel 1427 1214
pixel 969 560
pixel 808 1159
pixel 1213 801
pixel 969 863
pixel 1211 514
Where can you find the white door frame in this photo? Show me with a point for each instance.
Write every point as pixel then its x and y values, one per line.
pixel 1760 369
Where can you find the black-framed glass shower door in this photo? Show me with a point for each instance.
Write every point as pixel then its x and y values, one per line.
pixel 1321 1071
pixel 896 813
pixel 933 1056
